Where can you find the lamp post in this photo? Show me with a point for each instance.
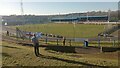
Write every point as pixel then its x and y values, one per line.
pixel 74 30
pixel 22 11
pixel 87 18
pixel 73 27
pixel 108 18
pixel 108 15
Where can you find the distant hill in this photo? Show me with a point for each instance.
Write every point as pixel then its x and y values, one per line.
pixel 40 19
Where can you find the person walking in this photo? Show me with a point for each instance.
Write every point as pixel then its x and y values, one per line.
pixel 36 45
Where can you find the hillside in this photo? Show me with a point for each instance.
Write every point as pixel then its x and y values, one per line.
pixel 20 55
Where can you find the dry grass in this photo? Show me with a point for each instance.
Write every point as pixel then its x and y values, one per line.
pixel 17 55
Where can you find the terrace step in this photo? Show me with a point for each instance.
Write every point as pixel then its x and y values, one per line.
pixel 109 31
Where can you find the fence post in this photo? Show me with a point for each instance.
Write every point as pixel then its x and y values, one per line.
pixel 57 42
pixel 46 39
pixel 17 33
pixel 98 41
pixel 113 42
pixel 101 49
pixel 7 33
pixel 70 42
pixel 29 36
pixel 64 41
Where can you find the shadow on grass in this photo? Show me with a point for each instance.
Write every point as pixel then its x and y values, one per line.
pixel 65 49
pixel 10 47
pixel 5 55
pixel 80 49
pixel 69 61
pixel 26 44
pixel 73 49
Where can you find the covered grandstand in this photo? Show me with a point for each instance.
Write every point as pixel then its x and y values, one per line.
pixel 82 19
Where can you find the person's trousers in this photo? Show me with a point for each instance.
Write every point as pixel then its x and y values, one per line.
pixel 36 49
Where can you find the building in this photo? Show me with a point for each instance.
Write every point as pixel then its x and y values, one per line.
pixel 82 19
pixel 64 19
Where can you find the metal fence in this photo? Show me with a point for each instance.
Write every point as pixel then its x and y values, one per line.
pixel 60 40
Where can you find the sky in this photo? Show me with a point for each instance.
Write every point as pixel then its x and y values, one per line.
pixel 12 7
pixel 61 0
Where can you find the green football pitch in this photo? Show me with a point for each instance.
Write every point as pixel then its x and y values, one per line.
pixel 67 30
